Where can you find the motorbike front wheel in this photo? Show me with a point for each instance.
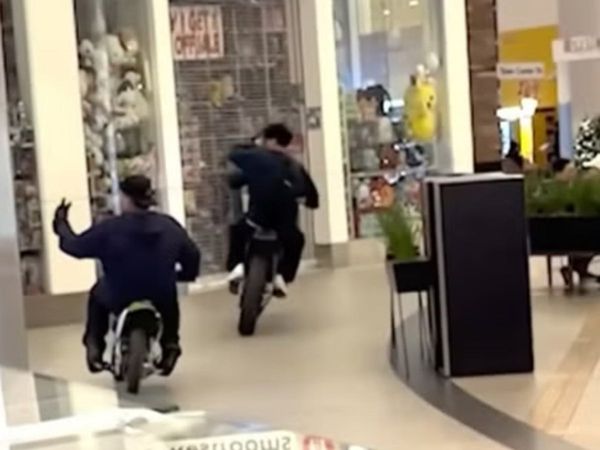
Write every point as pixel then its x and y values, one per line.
pixel 136 357
pixel 252 295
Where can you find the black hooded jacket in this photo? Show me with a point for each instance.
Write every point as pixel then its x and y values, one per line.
pixel 275 183
pixel 143 255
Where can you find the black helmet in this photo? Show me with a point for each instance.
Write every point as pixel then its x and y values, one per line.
pixel 139 189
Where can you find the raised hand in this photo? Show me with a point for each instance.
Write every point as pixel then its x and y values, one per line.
pixel 61 214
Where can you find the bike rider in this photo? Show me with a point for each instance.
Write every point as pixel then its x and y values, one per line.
pixel 143 254
pixel 276 182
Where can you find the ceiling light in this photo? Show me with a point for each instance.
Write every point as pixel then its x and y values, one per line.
pixel 413 3
pixel 387 12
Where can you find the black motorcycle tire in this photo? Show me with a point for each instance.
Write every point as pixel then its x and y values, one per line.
pixel 136 357
pixel 252 295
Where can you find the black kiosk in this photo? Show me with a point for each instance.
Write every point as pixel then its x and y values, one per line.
pixel 476 237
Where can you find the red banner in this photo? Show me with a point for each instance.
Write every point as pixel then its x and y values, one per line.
pixel 197 32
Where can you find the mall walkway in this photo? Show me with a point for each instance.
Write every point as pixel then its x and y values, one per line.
pixel 318 365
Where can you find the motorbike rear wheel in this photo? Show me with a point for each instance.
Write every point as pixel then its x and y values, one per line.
pixel 252 295
pixel 136 357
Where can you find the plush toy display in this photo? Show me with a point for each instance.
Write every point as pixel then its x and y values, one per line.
pixel 382 193
pixel 115 108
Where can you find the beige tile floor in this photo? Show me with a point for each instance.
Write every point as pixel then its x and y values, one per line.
pixel 563 395
pixel 318 365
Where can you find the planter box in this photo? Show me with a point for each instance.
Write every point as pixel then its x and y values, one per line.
pixel 411 276
pixel 564 235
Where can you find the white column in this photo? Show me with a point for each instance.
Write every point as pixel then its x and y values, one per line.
pixel 324 142
pixel 565 116
pixel 13 338
pixel 455 89
pixel 355 58
pixel 46 35
pixel 165 103
pixel 577 81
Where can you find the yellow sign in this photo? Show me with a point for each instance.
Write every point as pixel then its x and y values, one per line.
pixel 530 48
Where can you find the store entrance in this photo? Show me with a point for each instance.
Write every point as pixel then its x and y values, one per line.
pixel 236 69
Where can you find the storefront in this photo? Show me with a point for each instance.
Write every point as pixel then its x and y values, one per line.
pixel 236 70
pixel 106 88
pixel 392 79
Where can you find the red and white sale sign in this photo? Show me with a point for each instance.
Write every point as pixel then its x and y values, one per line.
pixel 197 32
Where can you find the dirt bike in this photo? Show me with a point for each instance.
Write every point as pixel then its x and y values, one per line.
pixel 134 345
pixel 260 268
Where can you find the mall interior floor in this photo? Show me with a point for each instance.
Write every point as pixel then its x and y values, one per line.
pixel 318 365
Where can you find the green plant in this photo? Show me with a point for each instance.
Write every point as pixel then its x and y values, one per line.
pixel 586 195
pixel 548 196
pixel 398 234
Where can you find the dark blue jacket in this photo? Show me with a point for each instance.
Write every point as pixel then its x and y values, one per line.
pixel 275 183
pixel 143 255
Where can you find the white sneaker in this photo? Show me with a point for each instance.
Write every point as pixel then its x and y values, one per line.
pixel 279 287
pixel 235 279
pixel 237 274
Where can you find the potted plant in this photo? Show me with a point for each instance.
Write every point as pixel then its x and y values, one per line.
pixel 409 272
pixel 564 212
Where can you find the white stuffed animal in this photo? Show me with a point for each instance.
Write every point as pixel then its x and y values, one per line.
pixel 116 53
pixel 86 54
pixel 142 109
pixel 84 88
pixel 133 79
pixel 125 110
pixel 130 106
pixel 139 165
pixel 130 45
pixel 94 145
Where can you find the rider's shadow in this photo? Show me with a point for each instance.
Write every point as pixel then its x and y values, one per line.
pixel 157 397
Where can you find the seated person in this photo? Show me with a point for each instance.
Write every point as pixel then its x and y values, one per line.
pixel 581 266
pixel 140 251
pixel 275 182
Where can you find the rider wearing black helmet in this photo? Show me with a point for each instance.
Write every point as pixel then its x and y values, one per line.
pixel 143 255
pixel 276 182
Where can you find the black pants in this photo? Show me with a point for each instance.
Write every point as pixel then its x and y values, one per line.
pixel 580 265
pixel 290 238
pixel 98 318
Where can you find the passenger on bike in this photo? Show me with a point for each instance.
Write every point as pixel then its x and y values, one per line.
pixel 143 254
pixel 276 182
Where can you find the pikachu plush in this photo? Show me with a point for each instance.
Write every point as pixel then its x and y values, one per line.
pixel 420 103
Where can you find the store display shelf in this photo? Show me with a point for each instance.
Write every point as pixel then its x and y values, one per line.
pixel 404 173
pixel 370 173
pixel 24 252
pixel 25 146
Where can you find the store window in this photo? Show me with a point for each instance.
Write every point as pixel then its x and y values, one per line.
pixel 115 80
pixel 388 66
pixel 236 69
